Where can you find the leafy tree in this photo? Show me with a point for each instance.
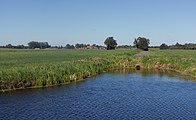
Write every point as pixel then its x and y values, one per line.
pixel 9 46
pixel 164 46
pixel 142 43
pixel 135 43
pixel 94 45
pixel 33 44
pixel 186 46
pixel 110 43
pixel 80 45
pixel 20 47
pixel 77 45
pixel 68 46
pixel 190 46
pixel 42 45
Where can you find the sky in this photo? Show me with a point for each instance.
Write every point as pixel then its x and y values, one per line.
pixel 62 22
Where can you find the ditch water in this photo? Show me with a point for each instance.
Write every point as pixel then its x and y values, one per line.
pixel 120 96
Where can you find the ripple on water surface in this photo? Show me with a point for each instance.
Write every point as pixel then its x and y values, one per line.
pixel 107 96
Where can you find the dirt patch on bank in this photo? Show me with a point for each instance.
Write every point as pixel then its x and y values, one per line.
pixel 143 53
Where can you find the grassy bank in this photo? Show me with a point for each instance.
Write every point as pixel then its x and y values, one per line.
pixel 42 68
pixel 182 61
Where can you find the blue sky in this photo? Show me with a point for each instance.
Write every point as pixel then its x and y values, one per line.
pixel 91 21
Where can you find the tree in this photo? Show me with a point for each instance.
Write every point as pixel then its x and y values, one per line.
pixel 9 46
pixel 33 44
pixel 94 45
pixel 142 43
pixel 164 46
pixel 20 47
pixel 68 46
pixel 110 43
pixel 41 45
pixel 135 43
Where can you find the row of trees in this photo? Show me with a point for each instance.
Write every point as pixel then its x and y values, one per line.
pixel 187 46
pixel 124 47
pixel 140 42
pixel 83 46
pixel 16 47
pixel 31 45
pixel 110 42
pixel 41 45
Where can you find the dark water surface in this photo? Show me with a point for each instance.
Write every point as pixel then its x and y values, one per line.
pixel 107 96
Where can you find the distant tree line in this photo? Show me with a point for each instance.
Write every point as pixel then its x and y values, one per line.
pixel 187 46
pixel 14 46
pixel 111 44
pixel 31 45
pixel 84 46
pixel 124 47
pixel 41 45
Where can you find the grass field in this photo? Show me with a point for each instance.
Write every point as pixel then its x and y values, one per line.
pixel 183 61
pixel 40 68
pixel 29 68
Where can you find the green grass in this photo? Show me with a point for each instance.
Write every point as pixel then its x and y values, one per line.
pixel 40 68
pixel 17 58
pixel 183 61
pixel 29 68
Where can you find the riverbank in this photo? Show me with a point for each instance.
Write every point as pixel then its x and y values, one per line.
pixel 181 61
pixel 44 68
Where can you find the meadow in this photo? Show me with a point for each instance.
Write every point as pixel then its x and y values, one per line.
pixel 182 61
pixel 40 68
pixel 28 68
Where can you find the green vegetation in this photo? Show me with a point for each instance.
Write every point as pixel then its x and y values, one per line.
pixel 142 43
pixel 41 68
pixel 164 46
pixel 110 43
pixel 182 61
pixel 186 46
pixel 41 45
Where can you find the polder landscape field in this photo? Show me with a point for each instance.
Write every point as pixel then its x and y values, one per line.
pixel 31 68
pixel 39 68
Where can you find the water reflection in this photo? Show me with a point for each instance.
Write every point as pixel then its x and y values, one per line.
pixel 149 72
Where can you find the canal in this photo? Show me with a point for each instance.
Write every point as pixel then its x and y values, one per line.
pixel 134 95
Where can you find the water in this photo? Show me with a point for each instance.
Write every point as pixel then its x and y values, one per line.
pixel 107 96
